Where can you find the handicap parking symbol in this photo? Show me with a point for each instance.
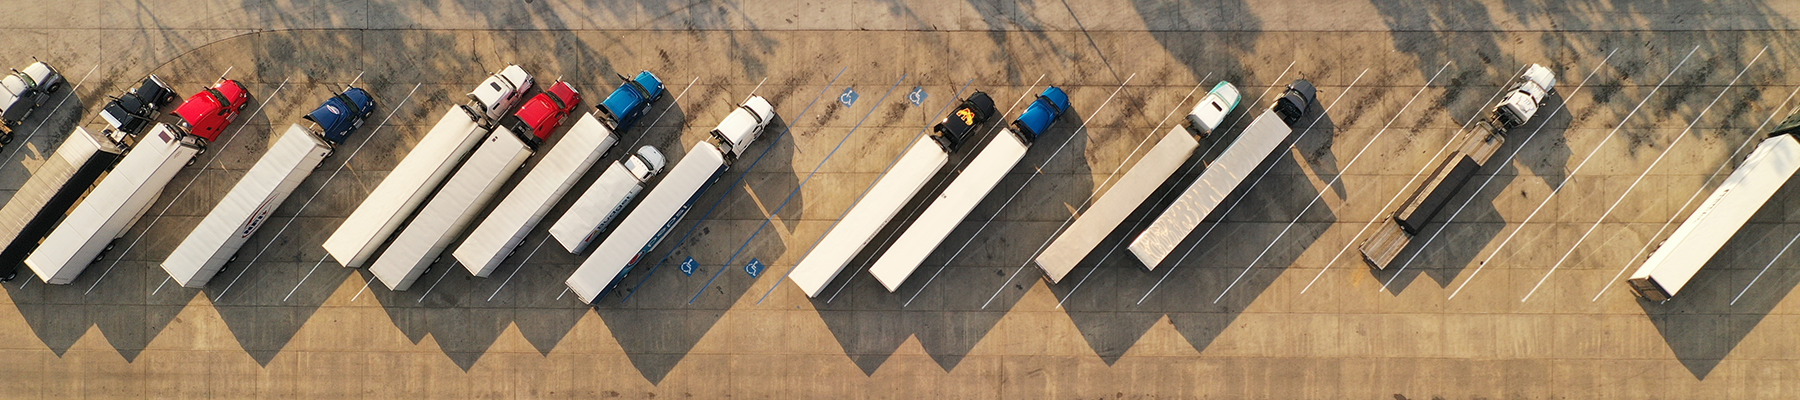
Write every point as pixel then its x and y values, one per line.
pixel 849 97
pixel 688 267
pixel 917 96
pixel 755 268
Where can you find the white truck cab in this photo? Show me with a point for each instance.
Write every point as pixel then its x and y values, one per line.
pixel 647 162
pixel 1522 104
pixel 1212 110
pixel 499 92
pixel 743 126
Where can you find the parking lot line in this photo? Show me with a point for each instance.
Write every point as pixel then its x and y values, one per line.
pixel 1172 190
pixel 740 180
pixel 1748 139
pixel 1009 199
pixel 1334 181
pixel 884 170
pixel 1240 199
pixel 315 195
pixel 184 188
pixel 1383 214
pixel 440 279
pixel 1571 175
pixel 1096 194
pixel 1490 179
pixel 1640 177
pixel 796 191
pixel 933 192
pixel 628 149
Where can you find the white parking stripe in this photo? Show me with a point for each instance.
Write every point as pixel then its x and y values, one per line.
pixel 1490 178
pixel 1240 199
pixel 1383 217
pixel 1640 178
pixel 1571 175
pixel 1333 182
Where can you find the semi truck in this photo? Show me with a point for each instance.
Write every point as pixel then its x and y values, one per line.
pixel 114 205
pixel 82 159
pixel 1456 169
pixel 499 234
pixel 1130 191
pixel 1717 220
pixel 660 210
pixel 23 92
pixel 418 174
pixel 603 201
pixel 1258 141
pixel 119 200
pixel 966 191
pixel 216 240
pixel 476 182
pixel 138 108
pixel 892 191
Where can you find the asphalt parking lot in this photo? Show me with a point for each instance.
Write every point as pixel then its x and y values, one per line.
pixel 1513 292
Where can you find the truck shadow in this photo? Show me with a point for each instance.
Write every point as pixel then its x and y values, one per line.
pixel 52 312
pixel 1733 293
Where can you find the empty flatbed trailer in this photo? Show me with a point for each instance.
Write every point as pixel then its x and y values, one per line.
pixel 1675 262
pixel 1453 171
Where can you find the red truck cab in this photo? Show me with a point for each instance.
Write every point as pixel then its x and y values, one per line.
pixel 540 116
pixel 207 113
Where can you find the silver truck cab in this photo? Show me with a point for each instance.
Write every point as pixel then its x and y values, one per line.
pixel 499 93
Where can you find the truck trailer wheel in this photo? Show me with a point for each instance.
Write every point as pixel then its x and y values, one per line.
pixel 6 138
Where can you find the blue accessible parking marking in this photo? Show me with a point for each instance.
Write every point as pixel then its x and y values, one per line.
pixel 755 268
pixel 688 267
pixel 849 97
pixel 917 96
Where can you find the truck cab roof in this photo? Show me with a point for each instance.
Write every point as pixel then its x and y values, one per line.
pixel 645 163
pixel 625 105
pixel 1036 119
pixel 540 116
pixel 132 112
pixel 208 112
pixel 342 114
pixel 497 94
pixel 744 125
pixel 1298 98
pixel 958 126
pixel 1211 111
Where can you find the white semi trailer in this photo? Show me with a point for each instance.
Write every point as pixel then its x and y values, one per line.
pixel 1256 143
pixel 114 205
pixel 606 199
pixel 215 241
pixel 883 200
pixel 34 210
pixel 498 234
pixel 1675 262
pixel 407 186
pixel 1113 207
pixel 660 210
pixel 966 191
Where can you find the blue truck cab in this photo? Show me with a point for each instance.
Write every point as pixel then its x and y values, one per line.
pixel 342 114
pixel 1049 105
pixel 624 106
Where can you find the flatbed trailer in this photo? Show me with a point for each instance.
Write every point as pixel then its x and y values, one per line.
pixel 1452 173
